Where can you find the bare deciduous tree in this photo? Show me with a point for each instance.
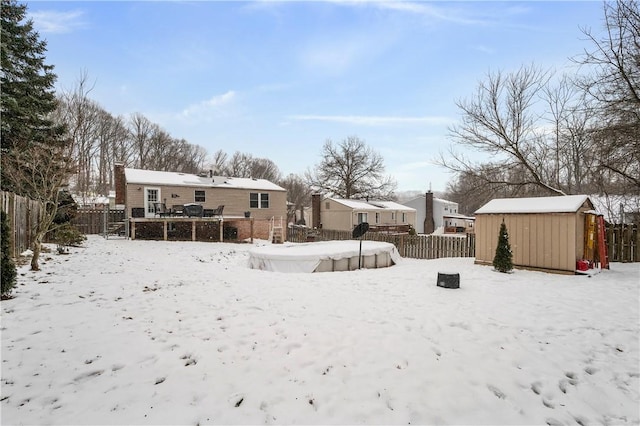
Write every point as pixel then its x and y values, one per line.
pixel 613 87
pixel 298 194
pixel 351 169
pixel 141 131
pixel 247 166
pixel 502 121
pixel 40 171
pixel 218 162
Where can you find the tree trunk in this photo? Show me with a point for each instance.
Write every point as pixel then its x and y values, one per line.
pixel 37 248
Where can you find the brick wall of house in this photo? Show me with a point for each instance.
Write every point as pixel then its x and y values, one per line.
pixel 260 228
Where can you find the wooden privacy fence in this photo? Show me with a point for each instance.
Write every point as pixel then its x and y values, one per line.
pixel 96 221
pixel 22 214
pixel 623 243
pixel 413 246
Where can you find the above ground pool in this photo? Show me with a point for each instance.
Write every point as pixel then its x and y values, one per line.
pixel 323 256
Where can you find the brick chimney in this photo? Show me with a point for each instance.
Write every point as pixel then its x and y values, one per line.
pixel 316 200
pixel 121 183
pixel 429 224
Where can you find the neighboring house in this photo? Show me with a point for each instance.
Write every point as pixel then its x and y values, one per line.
pixel 548 233
pixel 140 190
pixel 94 201
pixel 298 216
pixel 438 215
pixel 344 214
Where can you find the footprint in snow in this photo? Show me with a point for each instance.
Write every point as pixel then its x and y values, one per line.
pixel 188 360
pixel 548 403
pixel 536 387
pixel 236 399
pixel 497 392
pixel 88 375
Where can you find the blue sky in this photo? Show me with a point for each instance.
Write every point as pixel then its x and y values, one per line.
pixel 277 79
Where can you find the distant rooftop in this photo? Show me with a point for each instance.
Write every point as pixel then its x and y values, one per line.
pixel 372 205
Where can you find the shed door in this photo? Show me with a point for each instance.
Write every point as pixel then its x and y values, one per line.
pixel 151 196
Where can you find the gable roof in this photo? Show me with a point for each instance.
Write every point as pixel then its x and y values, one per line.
pixel 371 205
pixel 423 196
pixel 153 177
pixel 558 204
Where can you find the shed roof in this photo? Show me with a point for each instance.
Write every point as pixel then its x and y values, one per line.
pixel 153 177
pixel 372 205
pixel 558 204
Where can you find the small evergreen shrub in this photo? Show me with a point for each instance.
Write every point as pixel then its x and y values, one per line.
pixel 503 260
pixel 65 236
pixel 9 272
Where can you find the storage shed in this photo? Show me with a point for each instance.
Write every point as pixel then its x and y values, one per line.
pixel 547 233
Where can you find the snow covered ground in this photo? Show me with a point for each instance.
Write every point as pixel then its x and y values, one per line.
pixel 150 332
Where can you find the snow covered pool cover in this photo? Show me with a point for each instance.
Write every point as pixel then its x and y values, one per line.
pixel 322 256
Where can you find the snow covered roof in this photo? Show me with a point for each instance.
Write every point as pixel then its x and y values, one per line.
pixel 87 200
pixel 559 204
pixel 458 216
pixel 440 200
pixel 153 177
pixel 372 205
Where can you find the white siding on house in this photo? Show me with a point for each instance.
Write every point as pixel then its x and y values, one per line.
pixel 441 208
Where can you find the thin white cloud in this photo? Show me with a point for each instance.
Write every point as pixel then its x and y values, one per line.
pixel 336 55
pixel 374 120
pixel 429 10
pixel 55 22
pixel 209 107
pixel 484 49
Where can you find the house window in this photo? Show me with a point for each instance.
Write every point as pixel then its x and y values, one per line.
pixel 327 205
pixel 393 215
pixel 259 200
pixel 404 217
pixel 362 217
pixel 377 217
pixel 199 196
pixel 152 197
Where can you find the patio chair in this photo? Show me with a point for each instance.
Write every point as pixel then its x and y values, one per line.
pixel 161 210
pixel 218 211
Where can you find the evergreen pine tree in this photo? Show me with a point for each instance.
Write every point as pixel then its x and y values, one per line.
pixel 36 154
pixel 503 260
pixel 27 98
pixel 9 272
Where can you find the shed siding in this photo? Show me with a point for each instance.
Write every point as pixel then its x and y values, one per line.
pixel 546 241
